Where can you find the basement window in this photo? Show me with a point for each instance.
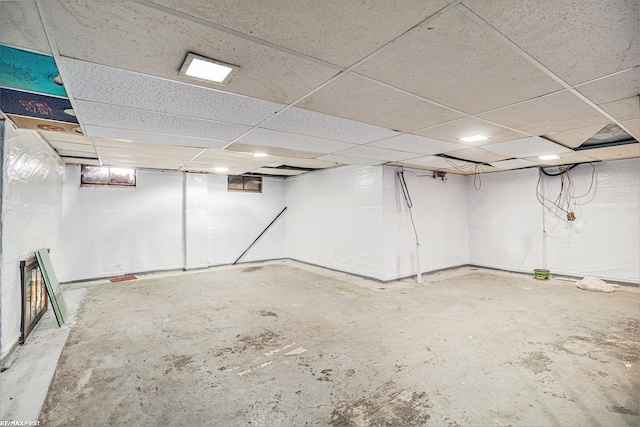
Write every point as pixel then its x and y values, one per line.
pixel 108 176
pixel 250 184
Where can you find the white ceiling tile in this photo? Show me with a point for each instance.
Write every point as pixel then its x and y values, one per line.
pixel 469 126
pixel 232 155
pixel 526 147
pixel 553 113
pixel 357 98
pixel 156 44
pixel 416 144
pixel 333 30
pixel 141 163
pixel 347 160
pixel 311 123
pixel 367 152
pixel 614 153
pixel 577 40
pixel 65 137
pixel 633 126
pixel 130 155
pixel 20 26
pixel 565 159
pixel 278 172
pixel 512 164
pixel 86 148
pixel 575 137
pixel 124 88
pixel 272 151
pixel 230 159
pixel 619 86
pixel 147 121
pixel 623 109
pixel 144 147
pixel 151 137
pixel 456 62
pixel 477 154
pixel 273 138
pixel 75 153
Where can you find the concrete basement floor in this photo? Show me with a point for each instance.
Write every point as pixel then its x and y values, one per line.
pixel 284 344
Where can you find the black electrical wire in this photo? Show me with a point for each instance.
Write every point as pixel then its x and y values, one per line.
pixel 405 191
pixel 561 172
pixel 542 199
pixel 593 172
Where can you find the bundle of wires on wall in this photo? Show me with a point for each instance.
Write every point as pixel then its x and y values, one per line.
pixel 564 204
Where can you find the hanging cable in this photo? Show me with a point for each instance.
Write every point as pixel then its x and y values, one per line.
pixel 407 198
pixel 565 201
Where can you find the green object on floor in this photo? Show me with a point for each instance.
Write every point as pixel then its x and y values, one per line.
pixel 542 274
pixel 53 286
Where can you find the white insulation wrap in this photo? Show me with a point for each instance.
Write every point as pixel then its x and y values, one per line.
pixel 32 178
pixel 236 219
pixel 604 240
pixel 440 216
pixel 505 221
pixel 110 231
pixel 196 218
pixel 335 219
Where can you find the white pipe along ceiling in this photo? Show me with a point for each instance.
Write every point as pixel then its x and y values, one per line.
pixel 462 87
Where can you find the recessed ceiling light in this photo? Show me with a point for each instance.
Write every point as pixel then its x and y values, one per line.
pixel 549 157
pixel 260 154
pixel 221 170
pixel 474 138
pixel 209 70
pixel 70 112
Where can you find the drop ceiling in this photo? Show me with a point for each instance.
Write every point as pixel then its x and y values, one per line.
pixel 327 84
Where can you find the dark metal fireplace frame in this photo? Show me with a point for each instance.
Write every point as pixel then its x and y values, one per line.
pixel 34 296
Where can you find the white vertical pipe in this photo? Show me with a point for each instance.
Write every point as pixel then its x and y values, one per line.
pixel 545 242
pixel 418 269
pixel 184 220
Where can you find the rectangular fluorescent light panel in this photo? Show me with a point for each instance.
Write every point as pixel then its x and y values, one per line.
pixel 549 157
pixel 208 70
pixel 474 138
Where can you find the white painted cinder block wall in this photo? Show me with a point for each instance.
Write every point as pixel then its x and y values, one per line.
pixel 113 231
pixel 235 219
pixel 32 176
pixel 440 216
pixel 604 241
pixel 170 220
pixel 506 223
pixel 335 219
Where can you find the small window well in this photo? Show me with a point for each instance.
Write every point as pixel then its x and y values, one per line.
pixel 106 175
pixel 250 184
pixel 202 69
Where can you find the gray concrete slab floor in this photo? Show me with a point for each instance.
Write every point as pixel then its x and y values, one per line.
pixel 29 370
pixel 282 344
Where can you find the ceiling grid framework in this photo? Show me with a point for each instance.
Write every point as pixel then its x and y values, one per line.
pixel 364 83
